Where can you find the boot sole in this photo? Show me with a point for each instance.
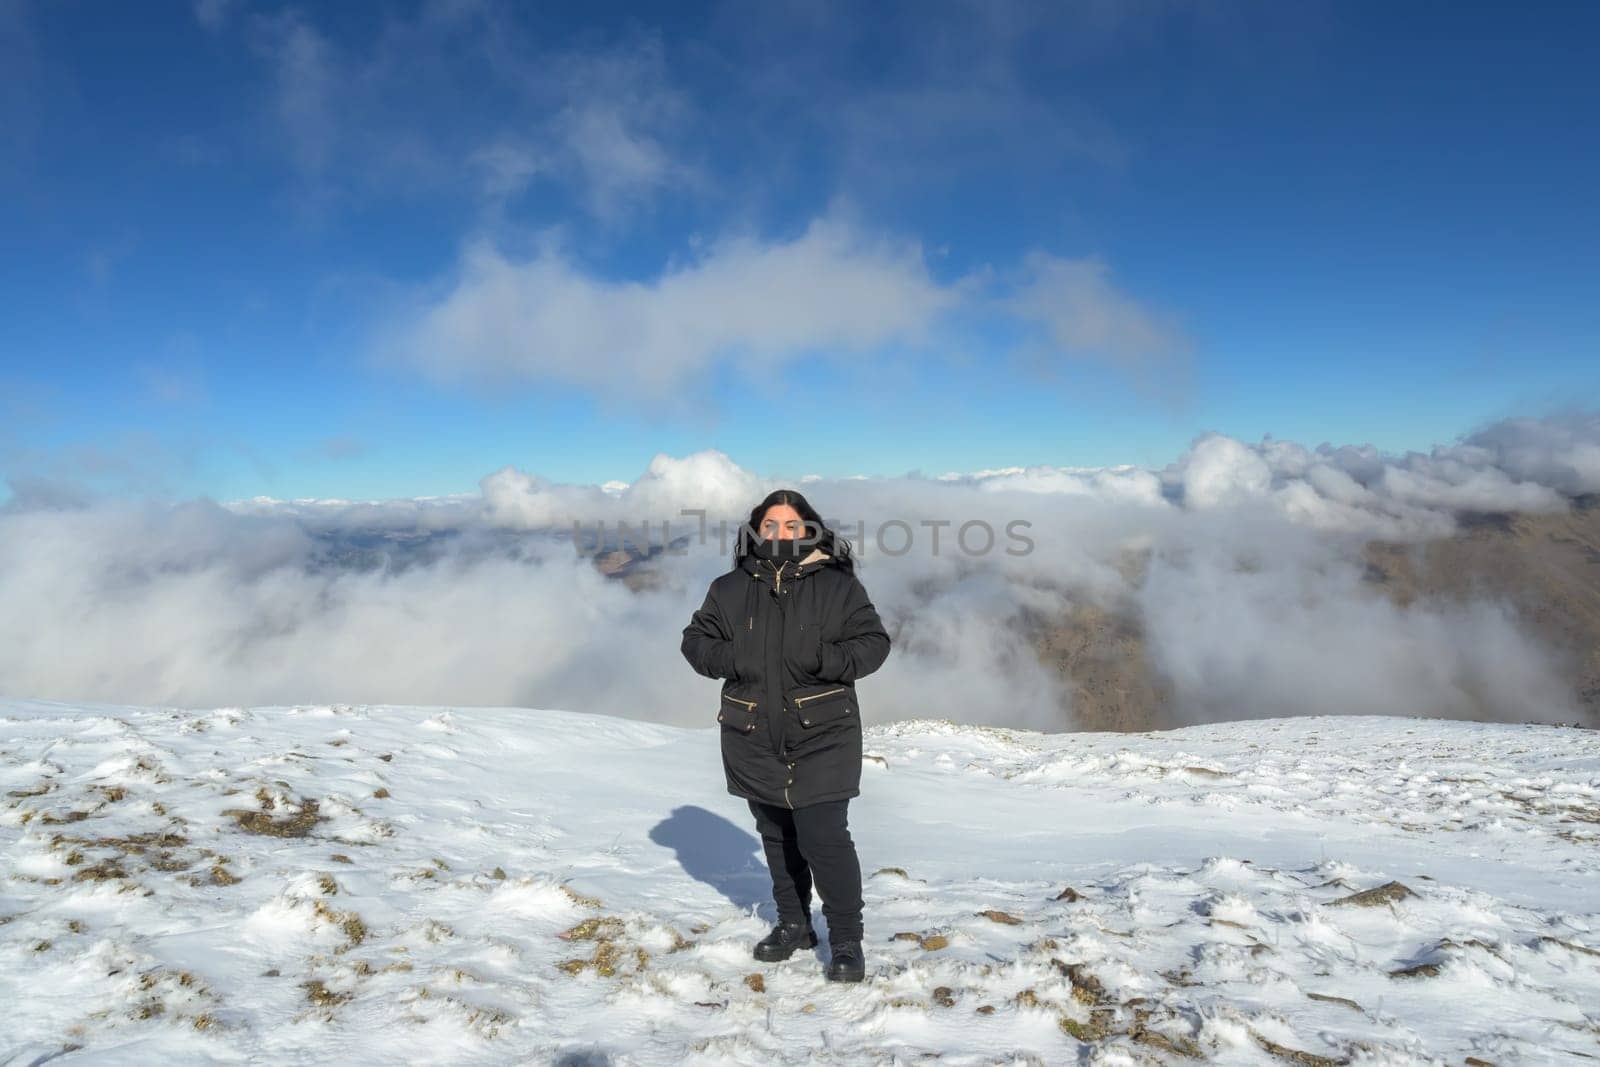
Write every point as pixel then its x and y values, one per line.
pixel 846 977
pixel 778 955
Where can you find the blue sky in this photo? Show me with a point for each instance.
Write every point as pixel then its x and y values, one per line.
pixel 361 250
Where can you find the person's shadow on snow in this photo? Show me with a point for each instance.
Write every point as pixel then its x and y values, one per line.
pixel 715 851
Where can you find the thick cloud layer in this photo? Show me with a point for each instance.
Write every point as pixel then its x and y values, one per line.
pixel 1241 562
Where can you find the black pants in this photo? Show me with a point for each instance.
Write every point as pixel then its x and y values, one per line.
pixel 812 842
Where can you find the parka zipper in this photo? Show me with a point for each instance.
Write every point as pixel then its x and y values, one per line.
pixel 747 703
pixel 814 696
pixel 777 587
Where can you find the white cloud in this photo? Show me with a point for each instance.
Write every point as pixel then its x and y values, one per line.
pixel 1083 313
pixel 1358 489
pixel 399 111
pixel 764 302
pixel 1113 484
pixel 1219 470
pixel 1252 602
pixel 835 288
pixel 309 93
pixel 508 166
pixel 1560 451
pixel 620 129
pixel 707 480
pixel 1449 483
pixel 1296 633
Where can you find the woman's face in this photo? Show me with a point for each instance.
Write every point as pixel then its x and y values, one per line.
pixel 782 522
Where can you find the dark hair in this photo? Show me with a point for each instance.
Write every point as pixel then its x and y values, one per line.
pixel 824 536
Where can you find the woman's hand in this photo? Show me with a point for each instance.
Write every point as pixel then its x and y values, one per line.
pixel 707 644
pixel 813 653
pixel 802 653
pixel 863 642
pixel 746 656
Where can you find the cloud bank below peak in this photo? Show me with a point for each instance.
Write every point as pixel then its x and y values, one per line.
pixel 1519 465
pixel 1247 587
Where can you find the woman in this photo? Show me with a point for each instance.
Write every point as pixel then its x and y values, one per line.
pixel 789 630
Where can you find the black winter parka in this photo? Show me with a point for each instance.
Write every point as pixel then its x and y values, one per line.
pixel 788 641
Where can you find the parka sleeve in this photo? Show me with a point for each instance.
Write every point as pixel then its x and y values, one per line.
pixel 863 643
pixel 708 642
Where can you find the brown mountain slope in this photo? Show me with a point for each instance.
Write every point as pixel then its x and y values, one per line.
pixel 1102 653
pixel 1548 566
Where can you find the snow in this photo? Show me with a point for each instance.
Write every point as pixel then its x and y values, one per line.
pixel 229 884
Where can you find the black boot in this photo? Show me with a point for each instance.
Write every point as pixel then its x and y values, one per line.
pixel 847 964
pixel 784 939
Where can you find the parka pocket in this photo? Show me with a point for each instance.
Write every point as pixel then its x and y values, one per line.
pixel 747 650
pixel 819 705
pixel 802 653
pixel 737 713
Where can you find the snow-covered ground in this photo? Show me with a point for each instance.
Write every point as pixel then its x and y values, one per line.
pixel 379 884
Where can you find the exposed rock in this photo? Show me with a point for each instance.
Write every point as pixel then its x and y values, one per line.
pixel 1386 893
